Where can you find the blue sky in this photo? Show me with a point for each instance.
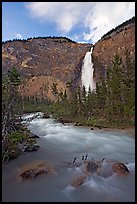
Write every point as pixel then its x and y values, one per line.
pixel 79 21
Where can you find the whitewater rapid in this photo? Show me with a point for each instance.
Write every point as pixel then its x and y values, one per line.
pixel 61 143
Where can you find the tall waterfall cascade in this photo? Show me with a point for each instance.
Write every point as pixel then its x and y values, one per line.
pixel 87 77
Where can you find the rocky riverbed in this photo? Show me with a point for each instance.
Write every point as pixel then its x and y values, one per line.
pixel 74 179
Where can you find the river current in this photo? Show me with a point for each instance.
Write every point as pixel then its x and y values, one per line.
pixel 61 143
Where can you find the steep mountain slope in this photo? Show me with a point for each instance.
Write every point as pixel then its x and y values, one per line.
pixel 51 65
pixel 116 40
pixel 44 62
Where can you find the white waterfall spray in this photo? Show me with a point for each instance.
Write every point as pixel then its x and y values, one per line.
pixel 87 72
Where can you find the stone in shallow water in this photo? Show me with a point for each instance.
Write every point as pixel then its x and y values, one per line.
pixel 31 147
pixel 78 181
pixel 34 169
pixel 120 168
pixel 46 115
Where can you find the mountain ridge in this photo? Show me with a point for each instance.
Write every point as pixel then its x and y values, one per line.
pixel 58 60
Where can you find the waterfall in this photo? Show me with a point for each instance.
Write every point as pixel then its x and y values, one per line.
pixel 87 72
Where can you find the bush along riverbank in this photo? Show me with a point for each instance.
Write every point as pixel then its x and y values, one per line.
pixel 15 136
pixel 18 141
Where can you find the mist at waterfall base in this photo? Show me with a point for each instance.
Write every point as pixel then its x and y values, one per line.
pixel 87 75
pixel 61 143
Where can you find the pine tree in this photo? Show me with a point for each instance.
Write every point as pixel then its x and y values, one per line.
pixel 11 103
pixel 83 94
pixel 10 96
pixel 74 104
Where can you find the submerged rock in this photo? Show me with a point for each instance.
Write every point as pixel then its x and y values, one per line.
pixel 78 181
pixel 120 168
pixel 33 173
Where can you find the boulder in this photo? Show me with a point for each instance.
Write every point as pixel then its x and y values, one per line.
pixel 92 167
pixel 120 168
pixel 31 135
pixel 35 169
pixel 98 126
pixel 33 173
pixel 46 115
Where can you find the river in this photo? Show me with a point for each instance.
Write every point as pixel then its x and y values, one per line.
pixel 61 143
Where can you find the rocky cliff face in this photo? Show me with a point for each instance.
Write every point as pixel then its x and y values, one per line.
pixel 50 65
pixel 116 40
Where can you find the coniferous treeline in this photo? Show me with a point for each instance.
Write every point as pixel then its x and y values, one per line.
pixel 114 99
pixel 15 137
pixel 57 38
pixel 112 103
pixel 118 28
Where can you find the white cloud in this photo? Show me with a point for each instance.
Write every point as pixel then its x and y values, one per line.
pixel 107 15
pixel 65 15
pixel 18 35
pixel 96 17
